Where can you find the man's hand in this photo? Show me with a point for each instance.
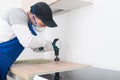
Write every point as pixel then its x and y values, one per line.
pixel 46 48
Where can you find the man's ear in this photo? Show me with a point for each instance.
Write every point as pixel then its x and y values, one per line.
pixel 33 16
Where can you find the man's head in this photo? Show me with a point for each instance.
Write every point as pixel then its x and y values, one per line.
pixel 42 15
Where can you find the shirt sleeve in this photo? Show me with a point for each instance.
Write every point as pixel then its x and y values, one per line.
pixel 19 24
pixel 48 47
pixel 17 16
pixel 26 38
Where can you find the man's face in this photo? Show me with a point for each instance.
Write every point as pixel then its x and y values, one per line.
pixel 38 22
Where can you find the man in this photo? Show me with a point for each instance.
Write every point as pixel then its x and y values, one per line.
pixel 19 30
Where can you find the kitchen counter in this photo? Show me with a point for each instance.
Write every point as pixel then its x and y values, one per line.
pixel 28 69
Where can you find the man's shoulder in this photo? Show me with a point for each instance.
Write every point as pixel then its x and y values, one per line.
pixel 17 15
pixel 17 10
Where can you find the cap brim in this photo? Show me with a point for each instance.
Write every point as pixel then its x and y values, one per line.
pixel 50 23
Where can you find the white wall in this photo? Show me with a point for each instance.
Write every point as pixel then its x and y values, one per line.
pixel 6 5
pixel 91 35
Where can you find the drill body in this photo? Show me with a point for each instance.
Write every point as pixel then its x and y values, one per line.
pixel 56 50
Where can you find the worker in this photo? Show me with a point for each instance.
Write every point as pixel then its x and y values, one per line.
pixel 20 29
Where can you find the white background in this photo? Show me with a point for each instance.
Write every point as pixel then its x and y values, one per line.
pixel 6 5
pixel 89 35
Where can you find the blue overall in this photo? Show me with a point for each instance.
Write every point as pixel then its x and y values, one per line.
pixel 9 51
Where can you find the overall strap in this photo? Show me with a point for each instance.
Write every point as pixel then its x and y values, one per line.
pixel 31 29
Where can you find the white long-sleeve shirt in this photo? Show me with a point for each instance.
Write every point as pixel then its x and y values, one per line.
pixel 16 25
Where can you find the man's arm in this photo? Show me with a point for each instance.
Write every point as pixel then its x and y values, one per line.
pixel 46 48
pixel 26 38
pixel 19 23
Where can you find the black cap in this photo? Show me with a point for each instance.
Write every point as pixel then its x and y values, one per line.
pixel 44 13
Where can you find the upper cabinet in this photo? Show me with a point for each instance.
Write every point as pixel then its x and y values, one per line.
pixel 26 4
pixel 58 6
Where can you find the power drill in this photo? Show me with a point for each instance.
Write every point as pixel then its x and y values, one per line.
pixel 56 50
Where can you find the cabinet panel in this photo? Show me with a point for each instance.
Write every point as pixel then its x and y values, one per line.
pixel 27 3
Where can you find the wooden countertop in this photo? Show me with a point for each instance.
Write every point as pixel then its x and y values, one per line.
pixel 27 71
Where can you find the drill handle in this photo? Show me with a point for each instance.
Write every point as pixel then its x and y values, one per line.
pixel 54 44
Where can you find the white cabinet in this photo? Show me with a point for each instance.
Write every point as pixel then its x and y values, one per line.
pixel 26 4
pixel 58 6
